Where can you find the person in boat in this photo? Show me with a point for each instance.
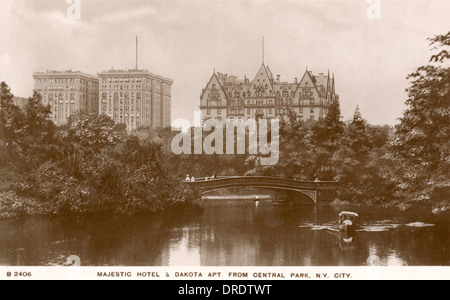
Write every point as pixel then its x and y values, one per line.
pixel 192 178
pixel 347 215
pixel 347 219
pixel 188 178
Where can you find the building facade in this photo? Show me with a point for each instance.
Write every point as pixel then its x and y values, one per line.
pixel 227 97
pixel 135 98
pixel 132 97
pixel 67 92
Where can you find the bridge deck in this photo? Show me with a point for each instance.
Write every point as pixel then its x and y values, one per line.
pixel 263 180
pixel 318 191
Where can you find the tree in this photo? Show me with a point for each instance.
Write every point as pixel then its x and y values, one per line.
pixel 422 142
pixel 327 131
pixel 11 118
pixel 356 135
pixel 325 139
pixel 37 136
pixel 94 132
pixel 332 121
pixel 37 123
pixel 358 162
pixel 358 122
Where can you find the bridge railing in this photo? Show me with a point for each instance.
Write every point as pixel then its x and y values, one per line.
pixel 239 180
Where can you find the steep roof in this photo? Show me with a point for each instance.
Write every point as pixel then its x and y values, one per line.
pixel 262 78
pixel 269 72
pixel 213 80
pixel 313 80
pixel 328 82
pixel 333 91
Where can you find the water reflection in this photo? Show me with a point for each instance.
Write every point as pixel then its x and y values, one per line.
pixel 184 247
pixel 231 233
pixel 392 259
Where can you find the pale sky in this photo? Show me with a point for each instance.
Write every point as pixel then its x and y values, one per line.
pixel 186 40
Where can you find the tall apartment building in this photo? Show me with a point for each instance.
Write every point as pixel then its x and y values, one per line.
pixel 227 97
pixel 67 92
pixel 135 98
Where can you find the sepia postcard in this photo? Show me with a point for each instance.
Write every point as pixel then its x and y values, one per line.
pixel 190 140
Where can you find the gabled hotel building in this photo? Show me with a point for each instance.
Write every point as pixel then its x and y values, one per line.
pixel 227 97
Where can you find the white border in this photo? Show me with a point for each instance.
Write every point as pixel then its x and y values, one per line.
pixel 226 273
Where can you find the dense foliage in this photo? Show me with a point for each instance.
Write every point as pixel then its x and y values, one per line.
pixel 93 165
pixel 422 144
pixel 89 165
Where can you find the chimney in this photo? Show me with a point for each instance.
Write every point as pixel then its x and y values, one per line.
pixel 278 79
pixel 295 80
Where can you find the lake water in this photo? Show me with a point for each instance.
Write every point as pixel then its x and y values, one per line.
pixel 230 233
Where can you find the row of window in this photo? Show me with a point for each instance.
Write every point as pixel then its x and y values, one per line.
pixel 258 111
pixel 116 108
pixel 122 79
pixel 121 87
pixel 312 118
pixel 66 95
pixel 67 80
pixel 121 94
pixel 146 81
pixel 283 88
pixel 60 97
pixel 126 119
pixel 60 102
pixel 56 88
pixel 133 87
pixel 260 92
pixel 66 88
pixel 218 102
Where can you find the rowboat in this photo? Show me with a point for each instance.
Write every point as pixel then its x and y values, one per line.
pixel 347 220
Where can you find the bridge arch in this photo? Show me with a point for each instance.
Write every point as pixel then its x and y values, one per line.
pixel 310 194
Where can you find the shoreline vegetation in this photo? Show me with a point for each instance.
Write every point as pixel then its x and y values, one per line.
pixel 94 165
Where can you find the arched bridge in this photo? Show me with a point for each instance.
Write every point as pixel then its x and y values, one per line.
pixel 317 191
